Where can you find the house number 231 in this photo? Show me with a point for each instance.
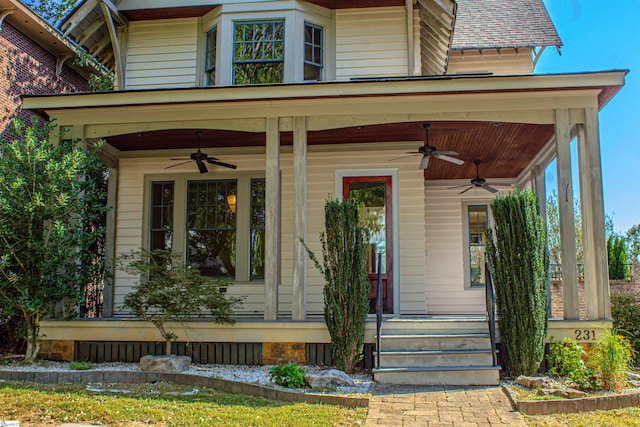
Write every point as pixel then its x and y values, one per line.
pixel 585 334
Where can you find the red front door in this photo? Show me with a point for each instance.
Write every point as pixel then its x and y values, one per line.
pixel 374 192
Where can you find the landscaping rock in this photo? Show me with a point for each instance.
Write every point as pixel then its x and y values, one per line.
pixel 170 364
pixel 632 376
pixel 530 382
pixel 329 377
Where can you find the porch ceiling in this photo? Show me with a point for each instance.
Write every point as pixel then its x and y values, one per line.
pixel 505 149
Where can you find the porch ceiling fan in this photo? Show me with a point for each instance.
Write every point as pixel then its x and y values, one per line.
pixel 427 151
pixel 478 182
pixel 201 158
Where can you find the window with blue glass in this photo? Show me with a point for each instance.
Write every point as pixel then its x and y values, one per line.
pixel 313 52
pixel 211 38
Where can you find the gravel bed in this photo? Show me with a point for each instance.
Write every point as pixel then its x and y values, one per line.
pixel 241 373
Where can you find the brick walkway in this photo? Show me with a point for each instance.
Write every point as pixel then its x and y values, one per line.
pixel 441 406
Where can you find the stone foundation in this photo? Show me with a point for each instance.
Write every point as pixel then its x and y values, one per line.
pixel 274 353
pixel 62 350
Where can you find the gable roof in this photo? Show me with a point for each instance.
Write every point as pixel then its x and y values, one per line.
pixel 483 24
pixel 31 25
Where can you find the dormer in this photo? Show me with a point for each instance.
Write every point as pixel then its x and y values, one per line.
pixel 199 43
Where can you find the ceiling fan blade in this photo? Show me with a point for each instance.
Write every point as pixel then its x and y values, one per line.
pixel 446 153
pixel 489 188
pixel 449 159
pixel 201 166
pixel 219 163
pixel 177 164
pixel 413 154
pixel 180 158
pixel 464 191
pixel 424 163
pixel 500 184
pixel 458 186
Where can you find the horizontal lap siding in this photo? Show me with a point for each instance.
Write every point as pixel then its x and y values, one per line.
pixel 129 236
pixel 507 61
pixel 162 54
pixel 371 43
pixel 445 263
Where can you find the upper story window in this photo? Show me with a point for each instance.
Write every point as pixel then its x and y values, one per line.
pixel 313 52
pixel 211 39
pixel 258 52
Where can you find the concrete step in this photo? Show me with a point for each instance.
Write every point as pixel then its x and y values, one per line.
pixel 450 325
pixel 439 375
pixel 426 358
pixel 418 341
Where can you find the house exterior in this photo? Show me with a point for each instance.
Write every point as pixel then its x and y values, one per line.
pixel 318 99
pixel 34 59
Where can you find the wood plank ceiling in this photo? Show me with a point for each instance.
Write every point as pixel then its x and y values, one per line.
pixel 503 148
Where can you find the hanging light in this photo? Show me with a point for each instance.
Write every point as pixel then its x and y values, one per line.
pixel 231 201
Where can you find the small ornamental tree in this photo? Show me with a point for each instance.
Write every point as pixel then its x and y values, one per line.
pixel 45 240
pixel 346 289
pixel 517 255
pixel 169 290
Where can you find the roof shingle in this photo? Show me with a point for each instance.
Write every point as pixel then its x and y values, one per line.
pixel 483 24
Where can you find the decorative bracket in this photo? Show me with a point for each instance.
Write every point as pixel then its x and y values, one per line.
pixel 60 60
pixel 4 13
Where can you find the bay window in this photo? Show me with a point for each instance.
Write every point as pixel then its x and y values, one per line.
pixel 258 52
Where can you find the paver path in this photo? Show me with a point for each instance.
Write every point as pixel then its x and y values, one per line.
pixel 441 406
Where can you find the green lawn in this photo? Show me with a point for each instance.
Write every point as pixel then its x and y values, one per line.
pixel 159 405
pixel 617 417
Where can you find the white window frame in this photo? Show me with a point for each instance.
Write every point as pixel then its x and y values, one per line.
pixel 179 238
pixel 466 254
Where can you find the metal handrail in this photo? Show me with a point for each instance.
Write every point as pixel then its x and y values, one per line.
pixel 490 300
pixel 378 308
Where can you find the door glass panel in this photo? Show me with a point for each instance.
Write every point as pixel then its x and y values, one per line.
pixel 372 196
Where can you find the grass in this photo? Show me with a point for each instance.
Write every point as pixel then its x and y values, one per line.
pixel 616 417
pixel 159 405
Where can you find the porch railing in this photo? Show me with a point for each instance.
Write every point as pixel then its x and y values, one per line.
pixel 616 271
pixel 490 300
pixel 378 308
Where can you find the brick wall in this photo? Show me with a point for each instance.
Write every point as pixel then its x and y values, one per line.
pixel 27 68
pixel 616 287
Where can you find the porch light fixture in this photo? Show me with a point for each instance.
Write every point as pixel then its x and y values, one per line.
pixel 231 201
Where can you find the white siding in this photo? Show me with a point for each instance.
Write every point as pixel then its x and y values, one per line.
pixel 371 42
pixel 321 185
pixel 162 54
pixel 505 62
pixel 445 263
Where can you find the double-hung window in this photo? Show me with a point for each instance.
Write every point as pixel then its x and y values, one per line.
pixel 313 52
pixel 477 222
pixel 210 40
pixel 258 52
pixel 161 227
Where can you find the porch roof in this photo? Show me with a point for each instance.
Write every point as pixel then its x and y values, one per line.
pixel 504 121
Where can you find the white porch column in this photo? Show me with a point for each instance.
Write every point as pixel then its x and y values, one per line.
pixel 299 309
pixel 596 272
pixel 567 221
pixel 272 220
pixel 540 189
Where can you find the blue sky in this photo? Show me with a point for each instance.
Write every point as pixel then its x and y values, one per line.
pixel 599 35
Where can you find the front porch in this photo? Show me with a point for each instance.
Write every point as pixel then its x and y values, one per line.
pixel 304 142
